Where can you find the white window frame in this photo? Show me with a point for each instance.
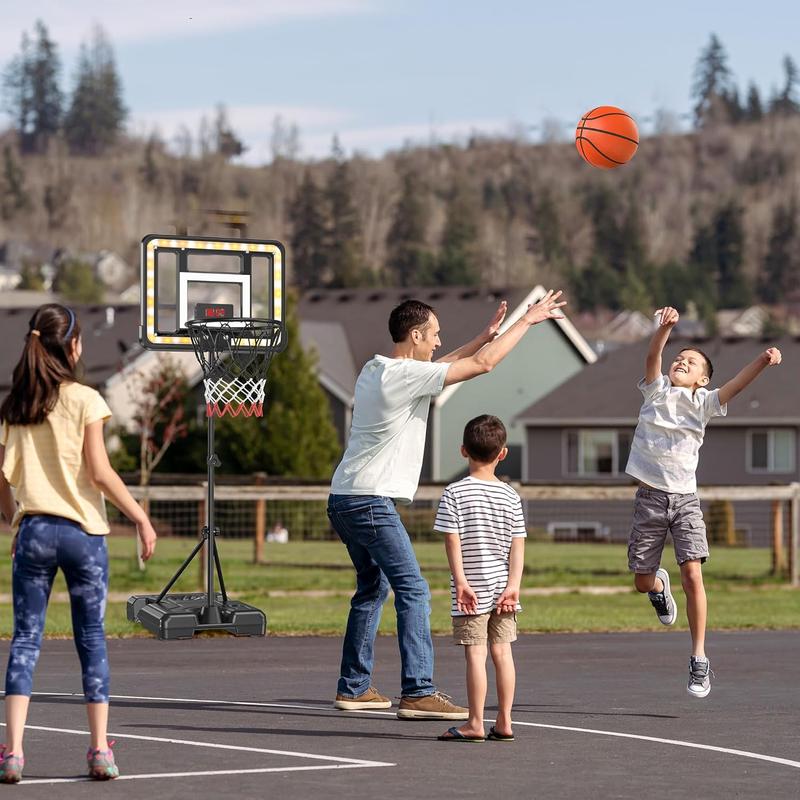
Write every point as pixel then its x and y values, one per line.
pixel 770 468
pixel 619 469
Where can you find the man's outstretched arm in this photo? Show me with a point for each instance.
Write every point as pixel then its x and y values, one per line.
pixel 493 353
pixel 488 334
pixel 769 358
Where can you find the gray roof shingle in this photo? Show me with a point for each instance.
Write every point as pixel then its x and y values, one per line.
pixel 605 392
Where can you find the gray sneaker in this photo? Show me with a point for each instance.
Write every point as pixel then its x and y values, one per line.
pixel 663 601
pixel 699 677
pixel 431 706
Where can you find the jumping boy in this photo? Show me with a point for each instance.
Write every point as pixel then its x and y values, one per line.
pixel 663 458
pixel 485 542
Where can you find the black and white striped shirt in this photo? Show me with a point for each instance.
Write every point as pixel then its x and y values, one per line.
pixel 486 515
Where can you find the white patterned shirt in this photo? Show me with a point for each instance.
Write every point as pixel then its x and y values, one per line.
pixel 669 435
pixel 486 515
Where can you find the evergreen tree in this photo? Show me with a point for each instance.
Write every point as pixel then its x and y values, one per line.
pixel 31 277
pixel 754 110
pixel 733 107
pixel 717 261
pixel 344 233
pixel 96 113
pixel 408 256
pixel 596 285
pixel 458 260
pixel 296 436
pixel 713 85
pixel 309 256
pixel 544 215
pixel 77 282
pixel 226 143
pixel 779 278
pixel 149 169
pixel 14 197
pixel 32 94
pixel 733 286
pixel 57 198
pixel 786 102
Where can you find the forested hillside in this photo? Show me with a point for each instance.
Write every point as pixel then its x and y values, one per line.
pixel 709 216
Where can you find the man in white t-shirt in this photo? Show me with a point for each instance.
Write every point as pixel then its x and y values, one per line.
pixel 663 458
pixel 381 467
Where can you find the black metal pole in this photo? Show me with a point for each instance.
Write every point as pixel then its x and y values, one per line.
pixel 211 614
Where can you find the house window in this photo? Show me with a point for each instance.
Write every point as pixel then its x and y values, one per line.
pixel 771 450
pixel 597 451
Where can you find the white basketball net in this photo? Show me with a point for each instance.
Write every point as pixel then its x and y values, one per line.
pixel 224 396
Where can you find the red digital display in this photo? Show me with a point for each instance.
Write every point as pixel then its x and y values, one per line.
pixel 213 310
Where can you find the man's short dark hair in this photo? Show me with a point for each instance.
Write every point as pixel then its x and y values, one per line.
pixel 709 365
pixel 484 438
pixel 408 315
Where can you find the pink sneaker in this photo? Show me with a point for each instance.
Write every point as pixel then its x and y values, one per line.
pixel 10 766
pixel 101 764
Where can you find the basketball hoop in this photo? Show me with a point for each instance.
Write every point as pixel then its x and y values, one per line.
pixel 235 354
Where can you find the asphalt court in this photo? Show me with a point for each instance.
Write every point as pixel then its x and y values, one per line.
pixel 605 715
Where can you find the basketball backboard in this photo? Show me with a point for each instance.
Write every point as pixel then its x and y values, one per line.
pixel 189 275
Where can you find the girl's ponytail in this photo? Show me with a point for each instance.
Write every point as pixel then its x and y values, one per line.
pixel 45 364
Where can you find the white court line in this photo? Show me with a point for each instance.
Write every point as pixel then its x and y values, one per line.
pixel 337 761
pixel 28 782
pixel 675 742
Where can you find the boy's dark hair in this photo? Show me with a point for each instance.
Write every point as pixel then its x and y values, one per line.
pixel 44 365
pixel 709 365
pixel 409 314
pixel 484 438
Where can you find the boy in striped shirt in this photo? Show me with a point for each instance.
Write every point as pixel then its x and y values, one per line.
pixel 485 541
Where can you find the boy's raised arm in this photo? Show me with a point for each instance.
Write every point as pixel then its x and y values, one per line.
pixel 769 358
pixel 667 318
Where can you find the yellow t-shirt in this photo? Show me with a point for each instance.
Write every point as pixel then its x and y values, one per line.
pixel 44 463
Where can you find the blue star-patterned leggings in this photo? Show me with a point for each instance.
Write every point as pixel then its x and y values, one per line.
pixel 44 544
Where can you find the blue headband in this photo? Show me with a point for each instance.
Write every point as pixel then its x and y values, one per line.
pixel 71 324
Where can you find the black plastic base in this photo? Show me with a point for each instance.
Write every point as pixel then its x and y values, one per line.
pixel 180 616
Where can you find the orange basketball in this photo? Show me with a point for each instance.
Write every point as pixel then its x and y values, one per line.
pixel 607 137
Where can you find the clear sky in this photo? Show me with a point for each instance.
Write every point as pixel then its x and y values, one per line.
pixel 382 72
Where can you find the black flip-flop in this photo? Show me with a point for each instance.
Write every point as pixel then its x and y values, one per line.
pixel 499 737
pixel 457 736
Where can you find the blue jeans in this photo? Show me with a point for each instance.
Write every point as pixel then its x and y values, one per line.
pixel 381 552
pixel 44 544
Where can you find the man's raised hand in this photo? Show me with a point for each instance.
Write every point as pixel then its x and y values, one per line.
pixel 546 308
pixel 493 328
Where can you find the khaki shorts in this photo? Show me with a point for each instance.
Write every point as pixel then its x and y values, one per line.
pixel 656 513
pixel 482 628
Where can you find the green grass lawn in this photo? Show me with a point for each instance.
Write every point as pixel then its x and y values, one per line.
pixel 742 594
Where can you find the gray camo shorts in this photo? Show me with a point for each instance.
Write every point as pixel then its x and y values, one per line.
pixel 656 513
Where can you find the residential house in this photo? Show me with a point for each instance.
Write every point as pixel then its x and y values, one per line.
pixel 580 433
pixel 110 336
pixel 348 326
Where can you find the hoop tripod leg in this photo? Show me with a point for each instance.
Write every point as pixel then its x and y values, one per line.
pixel 219 574
pixel 183 566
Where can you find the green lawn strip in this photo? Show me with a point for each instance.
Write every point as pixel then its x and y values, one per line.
pixel 766 608
pixel 743 594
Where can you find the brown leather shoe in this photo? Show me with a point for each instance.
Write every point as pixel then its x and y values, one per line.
pixel 370 699
pixel 432 706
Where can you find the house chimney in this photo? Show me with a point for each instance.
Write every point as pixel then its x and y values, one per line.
pixel 110 315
